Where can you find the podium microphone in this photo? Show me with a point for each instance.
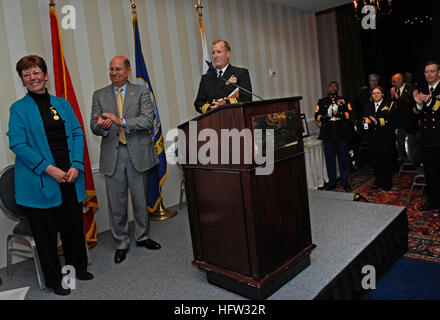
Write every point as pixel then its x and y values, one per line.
pixel 211 68
pixel 359 197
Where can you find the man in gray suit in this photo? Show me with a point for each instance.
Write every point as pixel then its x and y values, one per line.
pixel 122 114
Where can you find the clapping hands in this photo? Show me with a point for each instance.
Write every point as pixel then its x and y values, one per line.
pixel 421 98
pixel 103 123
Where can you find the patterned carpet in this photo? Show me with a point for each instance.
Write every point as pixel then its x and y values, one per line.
pixel 424 227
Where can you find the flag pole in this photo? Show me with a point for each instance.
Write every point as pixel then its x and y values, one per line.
pixel 206 61
pixel 199 9
pixel 133 7
pixel 161 212
pixel 64 88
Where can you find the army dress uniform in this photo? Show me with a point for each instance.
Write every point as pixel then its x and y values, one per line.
pixel 429 126
pixel 334 113
pixel 213 87
pixel 381 141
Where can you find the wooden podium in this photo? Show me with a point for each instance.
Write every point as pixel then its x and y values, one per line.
pixel 250 233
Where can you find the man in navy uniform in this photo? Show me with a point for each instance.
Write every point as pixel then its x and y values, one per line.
pixel 217 88
pixel 333 112
pixel 427 110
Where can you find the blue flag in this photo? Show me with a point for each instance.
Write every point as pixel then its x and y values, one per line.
pixel 157 175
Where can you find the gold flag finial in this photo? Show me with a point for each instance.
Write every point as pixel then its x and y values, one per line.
pixel 52 4
pixel 133 7
pixel 199 7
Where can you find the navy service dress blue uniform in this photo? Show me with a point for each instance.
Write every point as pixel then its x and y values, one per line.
pixel 429 126
pixel 212 88
pixel 381 142
pixel 334 113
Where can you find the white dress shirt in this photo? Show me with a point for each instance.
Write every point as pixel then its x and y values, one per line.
pixel 377 104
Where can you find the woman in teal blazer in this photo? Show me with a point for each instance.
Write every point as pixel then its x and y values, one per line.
pixel 48 142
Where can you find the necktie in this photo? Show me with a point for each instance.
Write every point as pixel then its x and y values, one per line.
pixel 431 89
pixel 120 102
pixel 377 107
pixel 219 74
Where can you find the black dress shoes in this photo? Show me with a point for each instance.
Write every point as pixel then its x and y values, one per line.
pixel 61 291
pixel 330 187
pixel 149 244
pixel 428 206
pixel 347 188
pixel 120 255
pixel 84 275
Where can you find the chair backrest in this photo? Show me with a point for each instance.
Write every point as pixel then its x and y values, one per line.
pixel 413 150
pixel 7 194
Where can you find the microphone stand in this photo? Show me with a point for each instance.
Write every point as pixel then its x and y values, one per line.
pixel 212 69
pixel 241 88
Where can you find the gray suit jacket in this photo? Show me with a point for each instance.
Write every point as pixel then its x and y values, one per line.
pixel 138 114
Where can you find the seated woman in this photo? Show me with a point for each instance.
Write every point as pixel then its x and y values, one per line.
pixel 380 137
pixel 48 142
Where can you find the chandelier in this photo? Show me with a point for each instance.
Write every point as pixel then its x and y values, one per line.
pixel 418 20
pixel 382 7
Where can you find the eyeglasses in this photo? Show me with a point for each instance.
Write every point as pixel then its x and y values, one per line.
pixel 36 73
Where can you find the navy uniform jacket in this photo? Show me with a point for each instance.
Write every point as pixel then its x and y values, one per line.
pixel 383 131
pixel 336 130
pixel 429 120
pixel 212 88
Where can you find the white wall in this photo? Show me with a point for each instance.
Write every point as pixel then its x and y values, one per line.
pixel 263 36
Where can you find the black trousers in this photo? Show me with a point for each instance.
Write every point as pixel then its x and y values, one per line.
pixel 66 219
pixel 431 165
pixel 381 157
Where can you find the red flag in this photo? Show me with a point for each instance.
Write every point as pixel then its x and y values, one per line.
pixel 64 89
